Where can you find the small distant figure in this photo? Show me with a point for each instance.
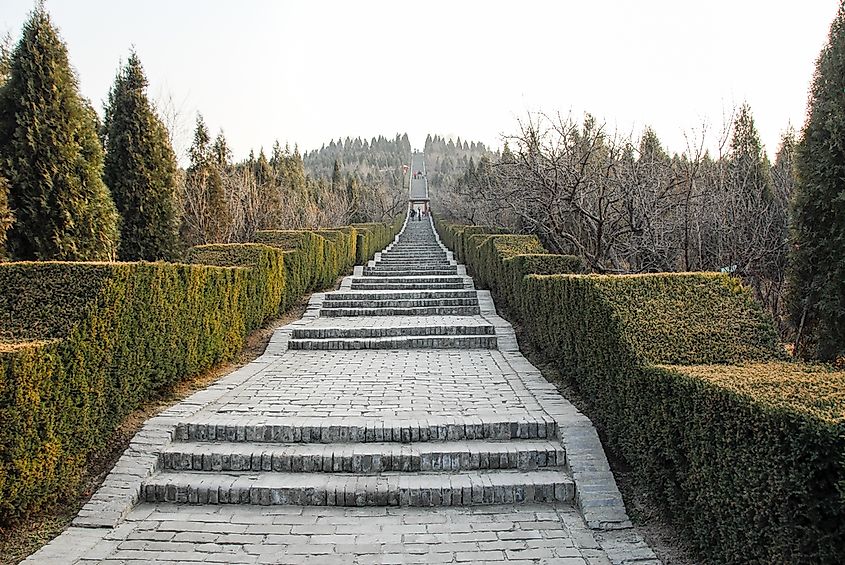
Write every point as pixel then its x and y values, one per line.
pixel 413 214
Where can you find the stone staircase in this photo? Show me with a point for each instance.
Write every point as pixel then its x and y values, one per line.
pixel 412 297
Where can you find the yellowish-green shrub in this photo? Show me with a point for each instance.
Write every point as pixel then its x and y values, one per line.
pixel 684 374
pixel 84 344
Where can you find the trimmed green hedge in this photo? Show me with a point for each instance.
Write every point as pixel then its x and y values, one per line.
pixel 140 329
pixel 267 288
pixel 685 376
pixel 500 261
pixel 374 237
pixel 84 344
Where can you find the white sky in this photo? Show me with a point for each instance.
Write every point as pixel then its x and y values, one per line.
pixel 309 71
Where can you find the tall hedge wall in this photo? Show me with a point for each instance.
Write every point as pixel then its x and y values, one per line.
pixel 685 376
pixel 374 237
pixel 84 344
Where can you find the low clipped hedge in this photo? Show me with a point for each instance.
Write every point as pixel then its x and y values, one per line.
pixel 685 377
pixel 84 344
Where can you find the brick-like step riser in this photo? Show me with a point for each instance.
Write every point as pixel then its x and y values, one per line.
pixel 413 264
pixel 366 490
pixel 413 303
pixel 424 279
pixel 420 311
pixel 407 286
pixel 410 267
pixel 410 253
pixel 396 459
pixel 444 342
pixel 414 273
pixel 411 295
pixel 396 331
pixel 376 431
pixel 411 256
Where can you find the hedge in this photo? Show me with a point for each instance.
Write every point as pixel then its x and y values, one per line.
pixel 267 288
pixel 84 344
pixel 683 372
pixel 500 261
pixel 373 237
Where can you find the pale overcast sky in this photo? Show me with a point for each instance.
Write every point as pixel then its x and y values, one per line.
pixel 308 71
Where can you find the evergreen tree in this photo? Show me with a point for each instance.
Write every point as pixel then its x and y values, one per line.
pixel 6 47
pixel 337 177
pixel 6 218
pixel 140 169
pixel 817 262
pixel 205 217
pixel 51 156
pixel 749 165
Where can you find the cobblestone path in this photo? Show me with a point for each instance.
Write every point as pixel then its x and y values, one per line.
pixel 396 422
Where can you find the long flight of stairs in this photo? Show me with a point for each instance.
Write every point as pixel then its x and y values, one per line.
pixel 411 297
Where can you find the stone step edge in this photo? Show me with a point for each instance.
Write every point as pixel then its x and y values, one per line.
pixel 417 311
pixel 396 342
pixel 400 303
pixel 393 331
pixel 378 272
pixel 421 294
pixel 346 430
pixel 313 489
pixel 526 455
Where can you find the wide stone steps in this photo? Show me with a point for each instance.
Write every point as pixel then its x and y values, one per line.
pixel 378 272
pixel 413 263
pixel 402 342
pixel 526 455
pixel 411 295
pixel 411 267
pixel 441 256
pixel 410 311
pixel 338 489
pixel 406 286
pixel 409 303
pixel 493 426
pixel 420 279
pixel 392 331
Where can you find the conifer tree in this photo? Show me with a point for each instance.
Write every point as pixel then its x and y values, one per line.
pixel 748 163
pixel 205 218
pixel 140 169
pixel 337 177
pixel 6 218
pixel 51 156
pixel 817 262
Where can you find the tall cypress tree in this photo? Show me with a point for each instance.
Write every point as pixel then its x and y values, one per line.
pixel 51 156
pixel 6 218
pixel 140 169
pixel 817 262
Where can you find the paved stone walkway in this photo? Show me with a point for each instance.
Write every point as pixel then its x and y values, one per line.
pixel 396 422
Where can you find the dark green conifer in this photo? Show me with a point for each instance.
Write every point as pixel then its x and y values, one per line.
pixel 140 169
pixel 51 156
pixel 817 262
pixel 6 218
